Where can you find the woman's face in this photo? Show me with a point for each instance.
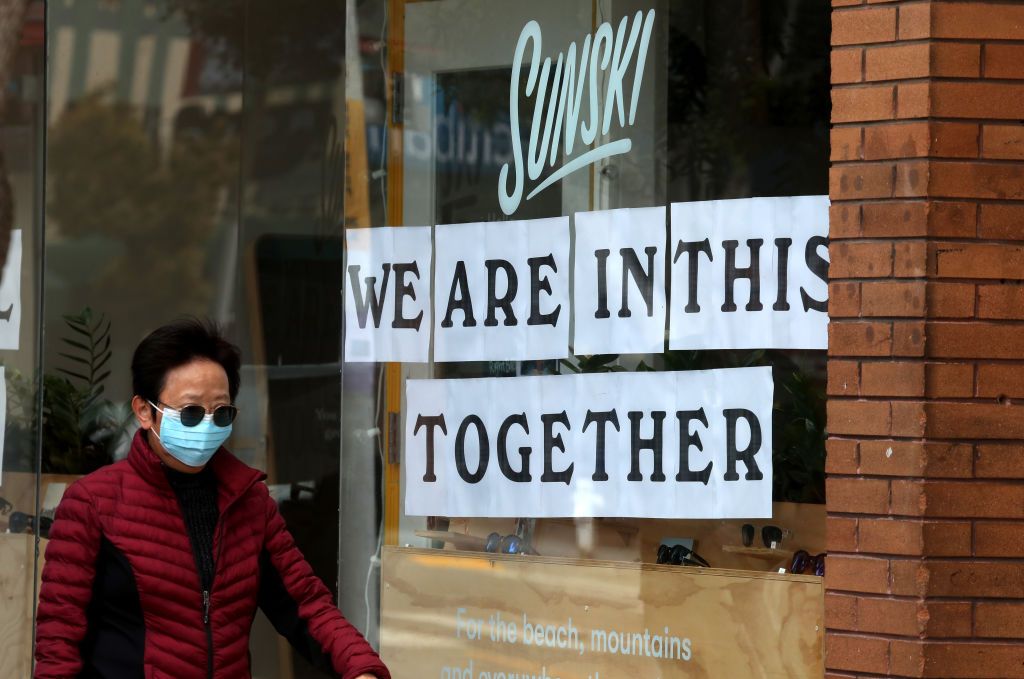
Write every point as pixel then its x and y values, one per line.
pixel 200 382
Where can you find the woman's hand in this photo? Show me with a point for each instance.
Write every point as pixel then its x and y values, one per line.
pixel 367 676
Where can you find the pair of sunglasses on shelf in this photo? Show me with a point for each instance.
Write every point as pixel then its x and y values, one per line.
pixel 20 522
pixel 191 415
pixel 804 563
pixel 680 555
pixel 771 536
pixel 503 544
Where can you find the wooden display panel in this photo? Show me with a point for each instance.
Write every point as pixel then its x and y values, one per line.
pixel 439 610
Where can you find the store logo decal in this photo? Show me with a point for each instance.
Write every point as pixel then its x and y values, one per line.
pixel 603 53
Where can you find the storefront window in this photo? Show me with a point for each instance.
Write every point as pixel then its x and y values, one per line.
pixel 463 113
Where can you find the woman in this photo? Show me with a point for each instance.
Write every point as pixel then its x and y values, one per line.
pixel 156 563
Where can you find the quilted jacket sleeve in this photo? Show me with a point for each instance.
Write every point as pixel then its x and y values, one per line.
pixel 67 586
pixel 349 653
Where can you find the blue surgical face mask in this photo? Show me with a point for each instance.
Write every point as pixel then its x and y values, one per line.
pixel 193 446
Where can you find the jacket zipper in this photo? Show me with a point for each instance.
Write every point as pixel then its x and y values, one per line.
pixel 218 539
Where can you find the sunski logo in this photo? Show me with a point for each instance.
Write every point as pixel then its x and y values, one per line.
pixel 559 101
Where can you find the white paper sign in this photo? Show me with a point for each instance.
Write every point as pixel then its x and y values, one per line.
pixel 10 295
pixel 619 283
pixel 387 294
pixel 749 274
pixel 675 445
pixel 501 291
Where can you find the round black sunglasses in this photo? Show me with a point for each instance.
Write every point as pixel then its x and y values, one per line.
pixel 193 414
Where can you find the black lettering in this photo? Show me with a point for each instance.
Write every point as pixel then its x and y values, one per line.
pixel 523 474
pixel 505 301
pixel 460 450
pixel 370 301
pixel 693 248
pixel 636 444
pixel 602 284
pixel 819 267
pixel 685 442
pixel 5 315
pixel 751 273
pixel 403 290
pixel 464 301
pixel 430 422
pixel 600 418
pixel 781 301
pixel 732 416
pixel 554 441
pixel 644 279
pixel 538 285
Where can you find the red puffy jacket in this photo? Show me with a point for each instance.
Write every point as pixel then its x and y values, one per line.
pixel 125 518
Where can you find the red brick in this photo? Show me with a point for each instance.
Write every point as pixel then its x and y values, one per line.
pixel 907 497
pixel 843 300
pixel 979 260
pixel 999 460
pixel 843 378
pixel 1003 222
pixel 948 219
pixel 888 616
pixel 896 140
pixel 841 611
pixel 973 660
pixel 955 60
pixel 859 339
pixel 946 538
pixel 847 65
pixel 950 300
pixel 841 534
pixel 857 104
pixel 890 536
pixel 840 456
pixel 954 140
pixel 906 658
pixel 949 380
pixel 974 340
pixel 897 62
pixel 975 420
pixel 908 577
pixel 846 3
pixel 908 338
pixel 858 418
pixel 977 20
pixel 857 574
pixel 892 379
pixel 915 20
pixel 892 458
pixel 895 219
pixel 860 26
pixel 857 496
pixel 977 180
pixel 843 221
pixel 964 579
pixel 856 182
pixel 845 144
pixel 911 179
pixel 999 619
pixel 1001 301
pixel 1003 141
pixel 860 260
pixel 898 298
pixel 856 653
pixel 913 100
pixel 1000 380
pixel 909 259
pixel 1004 61
pixel 999 538
pixel 947 619
pixel 975 499
pixel 955 99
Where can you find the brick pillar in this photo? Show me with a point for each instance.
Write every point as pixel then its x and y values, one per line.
pixel 925 466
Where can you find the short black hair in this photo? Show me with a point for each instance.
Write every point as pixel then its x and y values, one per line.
pixel 176 344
